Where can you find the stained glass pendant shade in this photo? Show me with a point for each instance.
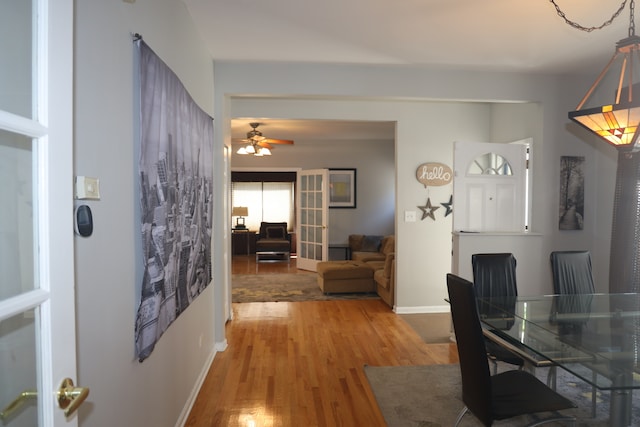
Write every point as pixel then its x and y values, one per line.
pixel 611 107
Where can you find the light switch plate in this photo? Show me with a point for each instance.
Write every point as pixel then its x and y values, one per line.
pixel 87 188
pixel 409 216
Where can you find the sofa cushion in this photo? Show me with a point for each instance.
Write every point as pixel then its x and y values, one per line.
pixel 367 256
pixel 371 243
pixel 388 262
pixel 343 270
pixel 381 280
pixel 388 245
pixel 355 242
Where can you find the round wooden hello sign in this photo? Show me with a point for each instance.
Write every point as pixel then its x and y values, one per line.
pixel 434 174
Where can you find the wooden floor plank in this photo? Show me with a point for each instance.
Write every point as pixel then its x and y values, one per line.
pixel 301 364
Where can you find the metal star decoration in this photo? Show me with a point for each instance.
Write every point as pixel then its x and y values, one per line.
pixel 428 210
pixel 448 207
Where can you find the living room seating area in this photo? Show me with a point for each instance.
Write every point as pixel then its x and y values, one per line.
pixel 371 268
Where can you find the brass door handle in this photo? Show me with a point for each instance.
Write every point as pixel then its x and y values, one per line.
pixel 70 397
pixel 17 403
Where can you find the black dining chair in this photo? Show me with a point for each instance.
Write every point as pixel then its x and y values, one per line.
pixel 572 275
pixel 572 272
pixel 494 275
pixel 505 395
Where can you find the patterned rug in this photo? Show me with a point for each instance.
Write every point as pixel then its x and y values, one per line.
pixel 283 287
pixel 419 396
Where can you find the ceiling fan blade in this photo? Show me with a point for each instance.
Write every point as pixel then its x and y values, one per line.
pixel 239 141
pixel 264 144
pixel 279 141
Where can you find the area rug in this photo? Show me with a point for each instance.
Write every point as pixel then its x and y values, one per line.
pixel 420 396
pixel 283 287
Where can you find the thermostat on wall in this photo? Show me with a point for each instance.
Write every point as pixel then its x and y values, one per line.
pixel 83 221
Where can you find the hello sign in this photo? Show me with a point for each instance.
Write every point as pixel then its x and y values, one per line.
pixel 434 174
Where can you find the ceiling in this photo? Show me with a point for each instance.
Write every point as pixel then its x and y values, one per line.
pixel 506 35
pixel 525 35
pixel 312 131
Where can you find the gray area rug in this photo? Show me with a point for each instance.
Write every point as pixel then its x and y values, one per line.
pixel 283 287
pixel 421 396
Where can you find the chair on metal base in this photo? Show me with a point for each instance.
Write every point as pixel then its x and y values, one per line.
pixel 273 240
pixel 502 396
pixel 494 275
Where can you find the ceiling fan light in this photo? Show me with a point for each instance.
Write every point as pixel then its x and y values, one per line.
pixel 242 150
pixel 264 151
pixel 250 149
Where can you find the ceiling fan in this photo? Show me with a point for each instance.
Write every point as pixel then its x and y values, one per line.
pixel 257 144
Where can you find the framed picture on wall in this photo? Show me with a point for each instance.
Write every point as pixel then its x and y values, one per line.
pixel 342 188
pixel 571 215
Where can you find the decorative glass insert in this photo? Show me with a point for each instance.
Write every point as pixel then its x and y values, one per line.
pixel 490 164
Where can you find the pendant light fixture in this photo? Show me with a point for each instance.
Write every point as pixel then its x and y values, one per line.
pixel 611 106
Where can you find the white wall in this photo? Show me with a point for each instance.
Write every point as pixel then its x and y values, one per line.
pixel 123 391
pixel 426 127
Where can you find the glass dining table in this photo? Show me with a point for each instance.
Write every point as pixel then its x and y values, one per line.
pixel 596 337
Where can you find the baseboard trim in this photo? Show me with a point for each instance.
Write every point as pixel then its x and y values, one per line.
pixel 423 309
pixel 186 410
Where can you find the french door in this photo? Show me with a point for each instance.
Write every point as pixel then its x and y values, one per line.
pixel 37 313
pixel 313 218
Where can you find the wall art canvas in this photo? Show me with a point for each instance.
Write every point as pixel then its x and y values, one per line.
pixel 342 188
pixel 175 177
pixel 571 193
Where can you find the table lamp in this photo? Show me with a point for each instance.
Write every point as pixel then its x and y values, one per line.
pixel 240 212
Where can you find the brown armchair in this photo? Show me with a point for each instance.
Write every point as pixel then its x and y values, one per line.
pixel 273 240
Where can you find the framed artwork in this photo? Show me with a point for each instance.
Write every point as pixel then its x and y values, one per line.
pixel 571 215
pixel 342 188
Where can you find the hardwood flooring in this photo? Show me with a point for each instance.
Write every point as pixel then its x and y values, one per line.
pixel 301 364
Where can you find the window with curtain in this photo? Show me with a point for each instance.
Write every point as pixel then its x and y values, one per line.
pixel 266 201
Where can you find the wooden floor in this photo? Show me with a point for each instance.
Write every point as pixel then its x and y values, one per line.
pixel 301 364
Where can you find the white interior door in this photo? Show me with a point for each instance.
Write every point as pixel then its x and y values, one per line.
pixel 490 186
pixel 313 219
pixel 37 315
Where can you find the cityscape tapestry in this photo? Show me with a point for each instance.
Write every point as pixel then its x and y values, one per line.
pixel 175 177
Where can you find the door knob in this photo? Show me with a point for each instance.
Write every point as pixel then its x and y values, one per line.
pixel 70 397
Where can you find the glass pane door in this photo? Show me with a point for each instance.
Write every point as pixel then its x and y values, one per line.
pixel 37 332
pixel 18 217
pixel 314 221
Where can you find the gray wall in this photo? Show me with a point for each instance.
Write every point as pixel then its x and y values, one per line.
pixel 375 164
pixel 431 110
pixel 123 391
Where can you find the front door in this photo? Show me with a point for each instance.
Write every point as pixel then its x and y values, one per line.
pixel 490 186
pixel 313 219
pixel 37 314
